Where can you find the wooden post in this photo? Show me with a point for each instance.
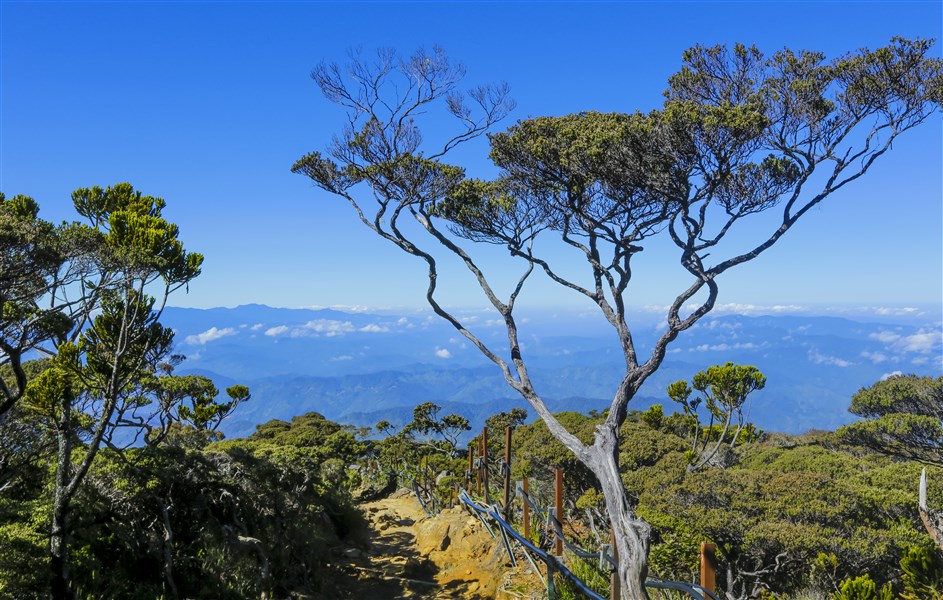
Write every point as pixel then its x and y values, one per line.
pixel 708 566
pixel 484 462
pixel 507 473
pixel 615 586
pixel 558 503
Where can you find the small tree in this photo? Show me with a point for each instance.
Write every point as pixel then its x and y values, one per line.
pixel 739 134
pixel 131 260
pixel 724 390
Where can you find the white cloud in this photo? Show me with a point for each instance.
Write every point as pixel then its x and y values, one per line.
pixel 875 357
pixel 342 357
pixel 725 347
pixel 443 353
pixel 922 342
pixel 354 308
pixel 209 335
pixel 753 309
pixel 329 327
pixel 822 359
pixel 276 331
pixel 886 337
pixel 899 311
pixel 889 375
pixel 732 308
pixel 256 327
pixel 326 328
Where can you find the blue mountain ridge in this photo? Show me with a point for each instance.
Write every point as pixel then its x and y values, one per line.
pixel 361 367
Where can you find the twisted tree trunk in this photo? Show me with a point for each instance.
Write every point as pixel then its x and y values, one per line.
pixel 631 533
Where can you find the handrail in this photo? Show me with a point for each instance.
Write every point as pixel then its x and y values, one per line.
pixel 526 543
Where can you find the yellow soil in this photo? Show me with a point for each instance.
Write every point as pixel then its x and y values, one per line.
pixel 411 555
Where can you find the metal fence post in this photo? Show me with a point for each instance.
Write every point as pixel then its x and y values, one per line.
pixel 558 503
pixel 507 473
pixel 526 509
pixel 471 466
pixel 484 463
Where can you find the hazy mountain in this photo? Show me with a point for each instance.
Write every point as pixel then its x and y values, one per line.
pixel 360 367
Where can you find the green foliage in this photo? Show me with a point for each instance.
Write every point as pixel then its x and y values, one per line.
pixel 654 417
pixel 738 134
pixel 795 513
pixel 903 417
pixel 204 412
pixel 423 454
pixel 923 574
pixel 585 571
pixel 862 588
pixel 278 487
pixel 723 391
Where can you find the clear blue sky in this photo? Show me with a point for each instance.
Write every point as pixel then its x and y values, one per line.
pixel 209 104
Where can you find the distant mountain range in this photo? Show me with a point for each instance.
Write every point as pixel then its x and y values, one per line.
pixel 361 367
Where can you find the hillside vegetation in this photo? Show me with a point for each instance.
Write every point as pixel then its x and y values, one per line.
pixel 264 516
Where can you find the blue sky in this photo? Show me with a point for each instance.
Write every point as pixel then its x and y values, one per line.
pixel 209 104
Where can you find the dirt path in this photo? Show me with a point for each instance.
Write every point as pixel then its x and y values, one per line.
pixel 414 556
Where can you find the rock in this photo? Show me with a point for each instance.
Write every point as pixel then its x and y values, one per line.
pixel 446 540
pixel 375 490
pixel 422 569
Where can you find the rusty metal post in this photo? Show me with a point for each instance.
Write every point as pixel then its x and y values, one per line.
pixel 507 473
pixel 708 566
pixel 615 586
pixel 558 503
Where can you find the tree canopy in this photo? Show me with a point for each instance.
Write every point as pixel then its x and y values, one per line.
pixel 739 133
pixel 903 416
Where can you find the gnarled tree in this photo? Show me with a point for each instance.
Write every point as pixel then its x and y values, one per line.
pixel 739 134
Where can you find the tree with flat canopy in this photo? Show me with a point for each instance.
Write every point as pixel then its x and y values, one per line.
pixel 739 134
pixel 903 417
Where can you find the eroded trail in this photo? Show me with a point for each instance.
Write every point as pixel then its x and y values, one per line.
pixel 412 555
